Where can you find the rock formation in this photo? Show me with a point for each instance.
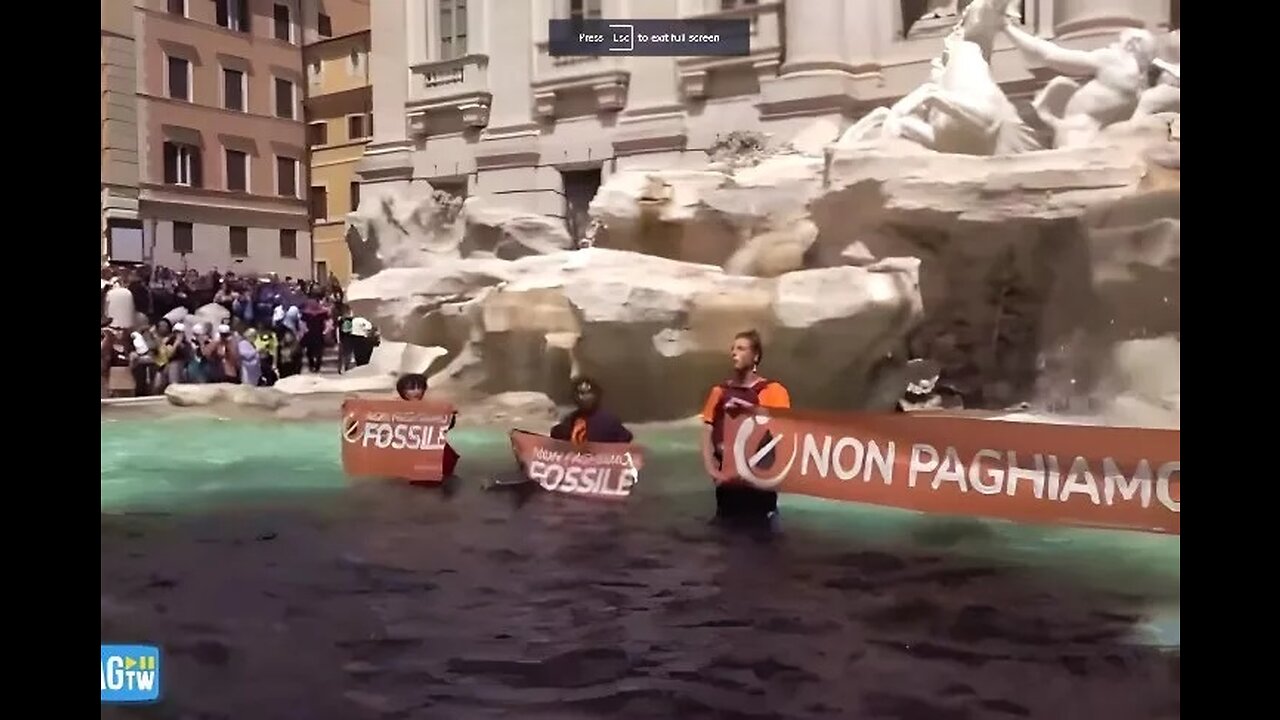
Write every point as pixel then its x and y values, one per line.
pixel 637 322
pixel 1048 276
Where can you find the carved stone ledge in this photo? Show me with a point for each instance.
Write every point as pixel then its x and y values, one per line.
pixel 693 84
pixel 475 114
pixel 544 104
pixel 611 96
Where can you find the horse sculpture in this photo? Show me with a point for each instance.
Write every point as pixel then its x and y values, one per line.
pixel 961 109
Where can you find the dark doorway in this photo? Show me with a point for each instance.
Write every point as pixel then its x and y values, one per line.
pixel 580 187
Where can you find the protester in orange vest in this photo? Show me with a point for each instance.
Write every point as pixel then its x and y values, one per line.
pixel 589 422
pixel 735 500
pixel 413 386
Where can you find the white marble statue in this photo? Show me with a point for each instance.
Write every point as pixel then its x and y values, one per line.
pixel 1078 112
pixel 1166 95
pixel 961 109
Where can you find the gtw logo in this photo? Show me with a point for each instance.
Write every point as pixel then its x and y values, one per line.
pixel 130 673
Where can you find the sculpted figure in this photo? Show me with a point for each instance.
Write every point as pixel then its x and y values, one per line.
pixel 1166 94
pixel 1075 112
pixel 961 109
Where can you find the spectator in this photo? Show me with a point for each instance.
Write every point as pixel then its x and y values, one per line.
pixel 363 340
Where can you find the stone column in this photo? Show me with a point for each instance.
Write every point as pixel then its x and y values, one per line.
pixel 509 152
pixel 651 131
pixel 815 35
pixel 1095 17
pixel 388 158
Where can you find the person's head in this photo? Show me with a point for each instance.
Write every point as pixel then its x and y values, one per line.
pixel 163 328
pixel 747 351
pixel 224 331
pixel 587 394
pixel 250 335
pixel 412 386
pixel 287 337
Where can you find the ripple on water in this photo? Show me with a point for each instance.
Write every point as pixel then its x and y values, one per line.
pixel 245 552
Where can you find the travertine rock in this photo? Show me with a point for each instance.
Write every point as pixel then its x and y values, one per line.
pixel 418 226
pixel 638 322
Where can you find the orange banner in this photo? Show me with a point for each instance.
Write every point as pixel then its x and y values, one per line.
pixel 396 439
pixel 598 470
pixel 1126 478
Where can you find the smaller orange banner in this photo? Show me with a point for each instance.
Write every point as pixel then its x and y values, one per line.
pixel 1128 478
pixel 599 470
pixel 395 439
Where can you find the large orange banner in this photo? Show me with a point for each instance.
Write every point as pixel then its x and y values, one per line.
pixel 1126 478
pixel 598 470
pixel 395 439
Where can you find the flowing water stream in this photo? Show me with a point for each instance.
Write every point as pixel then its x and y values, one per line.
pixel 278 588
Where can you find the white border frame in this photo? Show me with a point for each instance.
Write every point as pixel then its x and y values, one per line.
pixel 326 142
pixel 191 78
pixel 222 88
pixel 324 185
pixel 234 9
pixel 181 147
pixel 248 171
pixel 368 127
pixel 275 97
pixel 293 22
pixel 275 174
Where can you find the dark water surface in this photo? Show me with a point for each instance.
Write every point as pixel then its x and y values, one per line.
pixel 277 589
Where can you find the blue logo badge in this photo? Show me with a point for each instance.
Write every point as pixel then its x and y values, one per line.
pixel 130 673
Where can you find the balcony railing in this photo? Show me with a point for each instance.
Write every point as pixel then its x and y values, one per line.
pixel 605 77
pixel 765 49
pixel 460 84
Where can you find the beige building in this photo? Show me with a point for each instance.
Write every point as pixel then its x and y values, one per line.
pixel 339 122
pixel 221 140
pixel 465 94
pixel 121 227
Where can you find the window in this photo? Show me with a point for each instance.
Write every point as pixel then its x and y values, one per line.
pixel 239 237
pixel 324 26
pixel 355 127
pixel 232 14
pixel 182 165
pixel 318 133
pixel 355 63
pixel 735 4
pixel 283 28
pixel 355 196
pixel 584 9
pixel 453 29
pixel 322 271
pixel 288 243
pixel 237 170
pixel 319 202
pixel 286 177
pixel 233 89
pixel 182 243
pixel 284 99
pixel 178 7
pixel 179 70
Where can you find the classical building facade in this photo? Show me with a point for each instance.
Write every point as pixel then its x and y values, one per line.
pixel 221 139
pixel 466 95
pixel 121 227
pixel 339 119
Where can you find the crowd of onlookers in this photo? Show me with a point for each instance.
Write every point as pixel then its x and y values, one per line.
pixel 161 327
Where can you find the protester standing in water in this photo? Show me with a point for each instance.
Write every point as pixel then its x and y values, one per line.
pixel 745 389
pixel 589 422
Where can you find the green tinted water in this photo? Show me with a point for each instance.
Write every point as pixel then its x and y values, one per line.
pixel 189 465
